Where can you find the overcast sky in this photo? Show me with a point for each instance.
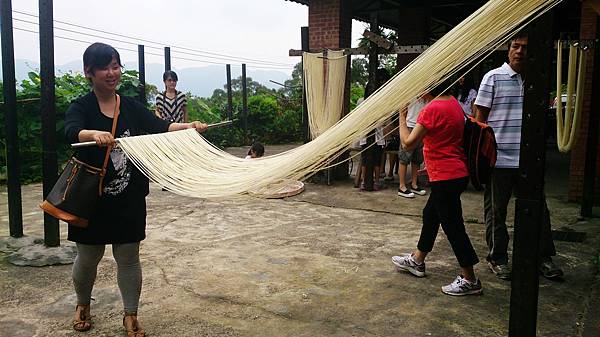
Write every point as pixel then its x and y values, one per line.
pixel 259 30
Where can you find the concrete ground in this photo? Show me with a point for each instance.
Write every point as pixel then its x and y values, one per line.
pixel 317 264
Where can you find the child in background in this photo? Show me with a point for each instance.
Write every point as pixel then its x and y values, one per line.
pixel 372 153
pixel 413 157
pixel 257 150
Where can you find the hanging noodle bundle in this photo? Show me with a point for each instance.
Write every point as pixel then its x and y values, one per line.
pixel 324 93
pixel 566 129
pixel 187 164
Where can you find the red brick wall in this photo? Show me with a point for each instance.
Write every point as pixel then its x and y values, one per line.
pixel 330 27
pixel 329 24
pixel 588 31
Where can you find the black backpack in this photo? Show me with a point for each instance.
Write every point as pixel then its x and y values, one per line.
pixel 481 149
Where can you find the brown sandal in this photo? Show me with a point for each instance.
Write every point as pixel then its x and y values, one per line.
pixel 136 330
pixel 83 321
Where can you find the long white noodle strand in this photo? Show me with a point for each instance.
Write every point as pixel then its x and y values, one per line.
pixel 185 163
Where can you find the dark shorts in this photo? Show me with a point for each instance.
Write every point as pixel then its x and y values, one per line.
pixel 411 157
pixel 393 144
pixel 371 154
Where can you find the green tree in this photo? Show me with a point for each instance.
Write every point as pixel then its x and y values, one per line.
pixel 387 61
pixel 359 71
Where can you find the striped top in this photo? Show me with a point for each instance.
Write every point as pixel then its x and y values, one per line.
pixel 501 90
pixel 171 109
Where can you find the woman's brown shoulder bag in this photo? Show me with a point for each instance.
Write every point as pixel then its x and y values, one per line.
pixel 74 197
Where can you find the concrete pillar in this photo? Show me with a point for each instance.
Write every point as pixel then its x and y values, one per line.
pixel 587 31
pixel 330 27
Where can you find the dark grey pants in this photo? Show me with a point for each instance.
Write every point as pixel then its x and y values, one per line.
pixel 496 198
pixel 129 272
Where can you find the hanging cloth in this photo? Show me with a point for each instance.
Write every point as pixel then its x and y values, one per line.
pixel 568 125
pixel 324 80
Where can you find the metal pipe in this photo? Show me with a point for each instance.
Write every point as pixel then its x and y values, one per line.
pixel 15 212
pixel 244 99
pixel 167 58
pixel 229 93
pixel 142 74
pixel 48 112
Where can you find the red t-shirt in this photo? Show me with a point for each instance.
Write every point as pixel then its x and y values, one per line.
pixel 443 143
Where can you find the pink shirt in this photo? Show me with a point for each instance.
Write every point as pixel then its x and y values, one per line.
pixel 443 144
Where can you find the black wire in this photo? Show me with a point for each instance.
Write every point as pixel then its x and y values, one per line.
pixel 86 34
pixel 149 53
pixel 162 44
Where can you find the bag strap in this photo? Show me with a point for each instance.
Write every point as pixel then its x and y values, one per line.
pixel 110 147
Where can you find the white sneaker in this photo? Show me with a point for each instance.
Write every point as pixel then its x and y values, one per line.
pixel 407 193
pixel 407 263
pixel 461 287
pixel 418 190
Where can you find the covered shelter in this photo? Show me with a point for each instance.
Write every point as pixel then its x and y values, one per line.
pixel 420 23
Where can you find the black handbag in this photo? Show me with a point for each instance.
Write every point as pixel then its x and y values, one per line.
pixel 75 195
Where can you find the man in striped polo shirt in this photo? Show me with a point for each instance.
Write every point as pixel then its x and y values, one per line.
pixel 499 103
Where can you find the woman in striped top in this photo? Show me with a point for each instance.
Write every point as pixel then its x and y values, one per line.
pixel 171 105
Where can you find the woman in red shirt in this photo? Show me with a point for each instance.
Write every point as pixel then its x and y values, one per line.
pixel 440 126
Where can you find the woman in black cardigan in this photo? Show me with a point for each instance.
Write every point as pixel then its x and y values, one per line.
pixel 120 218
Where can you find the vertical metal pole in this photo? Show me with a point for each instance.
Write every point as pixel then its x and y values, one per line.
pixel 48 112
pixel 529 209
pixel 15 215
pixel 373 65
pixel 591 147
pixel 244 99
pixel 167 58
pixel 142 74
pixel 305 48
pixel 229 93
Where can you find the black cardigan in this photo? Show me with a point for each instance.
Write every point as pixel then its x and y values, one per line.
pixel 120 216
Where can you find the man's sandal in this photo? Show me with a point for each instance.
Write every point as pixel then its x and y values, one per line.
pixel 135 330
pixel 83 319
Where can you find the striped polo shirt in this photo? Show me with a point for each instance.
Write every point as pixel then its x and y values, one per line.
pixel 501 90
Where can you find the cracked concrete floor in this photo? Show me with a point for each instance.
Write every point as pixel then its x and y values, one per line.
pixel 317 264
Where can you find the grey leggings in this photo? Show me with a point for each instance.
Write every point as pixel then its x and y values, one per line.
pixel 129 272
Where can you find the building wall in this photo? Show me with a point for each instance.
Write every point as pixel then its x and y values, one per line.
pixel 588 31
pixel 330 24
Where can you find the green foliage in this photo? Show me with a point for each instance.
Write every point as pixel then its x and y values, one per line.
pixel 274 116
pixel 387 61
pixel 359 71
pixel 68 87
pixel 356 91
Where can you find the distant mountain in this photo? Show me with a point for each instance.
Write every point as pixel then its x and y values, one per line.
pixel 200 81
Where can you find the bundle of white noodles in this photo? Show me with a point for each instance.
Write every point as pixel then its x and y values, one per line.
pixel 324 92
pixel 186 164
